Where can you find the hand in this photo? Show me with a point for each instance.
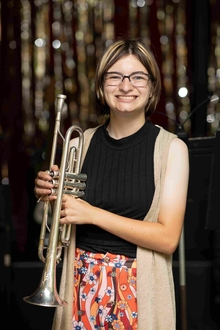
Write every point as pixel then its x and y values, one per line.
pixel 44 186
pixel 75 211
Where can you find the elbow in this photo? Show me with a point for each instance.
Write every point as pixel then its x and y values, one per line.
pixel 170 246
pixel 171 249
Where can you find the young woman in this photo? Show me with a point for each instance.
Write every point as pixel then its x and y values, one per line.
pixel 117 272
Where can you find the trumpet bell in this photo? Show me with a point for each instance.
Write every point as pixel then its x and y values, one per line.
pixel 45 297
pixel 46 294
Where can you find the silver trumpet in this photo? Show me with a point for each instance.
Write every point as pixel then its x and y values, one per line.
pixel 68 180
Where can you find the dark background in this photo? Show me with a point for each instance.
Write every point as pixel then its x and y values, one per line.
pixel 21 158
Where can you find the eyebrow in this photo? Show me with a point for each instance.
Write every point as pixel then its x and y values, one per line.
pixel 135 72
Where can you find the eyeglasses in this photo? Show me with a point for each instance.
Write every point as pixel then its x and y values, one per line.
pixel 137 79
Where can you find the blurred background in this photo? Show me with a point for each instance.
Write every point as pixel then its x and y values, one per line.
pixel 51 47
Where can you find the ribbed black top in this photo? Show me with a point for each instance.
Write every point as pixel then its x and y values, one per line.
pixel 120 179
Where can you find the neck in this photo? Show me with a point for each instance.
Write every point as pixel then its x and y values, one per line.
pixel 118 129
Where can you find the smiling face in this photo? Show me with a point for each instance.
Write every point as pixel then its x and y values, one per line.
pixel 125 98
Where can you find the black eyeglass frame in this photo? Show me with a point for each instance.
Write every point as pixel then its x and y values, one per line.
pixel 124 76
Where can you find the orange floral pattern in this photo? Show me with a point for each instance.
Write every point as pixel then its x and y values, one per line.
pixel 104 292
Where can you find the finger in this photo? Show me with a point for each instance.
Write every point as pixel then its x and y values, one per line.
pixel 54 168
pixel 42 188
pixel 66 198
pixel 44 196
pixel 42 192
pixel 45 176
pixel 43 184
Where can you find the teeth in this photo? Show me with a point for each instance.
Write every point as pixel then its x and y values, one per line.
pixel 126 97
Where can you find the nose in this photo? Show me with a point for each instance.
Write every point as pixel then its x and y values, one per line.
pixel 126 83
pixel 128 77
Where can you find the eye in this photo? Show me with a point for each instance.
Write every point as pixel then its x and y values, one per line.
pixel 113 76
pixel 139 77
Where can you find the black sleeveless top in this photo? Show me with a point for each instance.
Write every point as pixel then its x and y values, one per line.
pixel 120 179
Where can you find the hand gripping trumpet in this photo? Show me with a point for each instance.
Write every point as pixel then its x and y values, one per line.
pixel 68 180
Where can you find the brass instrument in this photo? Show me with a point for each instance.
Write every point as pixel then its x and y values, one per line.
pixel 67 180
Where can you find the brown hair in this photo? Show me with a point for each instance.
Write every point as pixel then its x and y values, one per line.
pixel 111 55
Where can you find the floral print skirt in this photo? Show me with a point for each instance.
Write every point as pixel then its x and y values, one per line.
pixel 105 292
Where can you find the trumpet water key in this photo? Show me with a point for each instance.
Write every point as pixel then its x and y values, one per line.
pixel 68 180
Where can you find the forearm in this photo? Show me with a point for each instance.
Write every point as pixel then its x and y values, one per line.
pixel 154 236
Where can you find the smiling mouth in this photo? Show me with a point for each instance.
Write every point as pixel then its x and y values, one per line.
pixel 126 97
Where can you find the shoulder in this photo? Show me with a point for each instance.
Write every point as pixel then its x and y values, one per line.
pixel 164 139
pixel 178 149
pixel 176 145
pixel 164 134
pixel 170 147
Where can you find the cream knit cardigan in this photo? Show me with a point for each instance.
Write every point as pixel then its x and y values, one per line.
pixel 155 289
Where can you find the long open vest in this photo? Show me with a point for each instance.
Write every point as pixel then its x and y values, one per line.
pixel 155 287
